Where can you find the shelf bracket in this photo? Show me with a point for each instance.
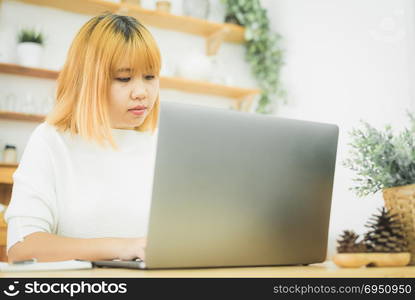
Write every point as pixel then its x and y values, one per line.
pixel 236 104
pixel 244 103
pixel 215 39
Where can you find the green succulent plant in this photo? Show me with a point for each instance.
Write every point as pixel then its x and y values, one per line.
pixel 382 159
pixel 263 50
pixel 30 35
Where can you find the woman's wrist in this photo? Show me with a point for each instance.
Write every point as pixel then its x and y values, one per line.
pixel 113 248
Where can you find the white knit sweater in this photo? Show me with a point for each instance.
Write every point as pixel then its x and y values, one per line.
pixel 71 187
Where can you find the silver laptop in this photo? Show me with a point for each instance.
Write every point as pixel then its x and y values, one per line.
pixel 238 189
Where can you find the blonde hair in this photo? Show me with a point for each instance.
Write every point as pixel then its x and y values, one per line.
pixel 83 85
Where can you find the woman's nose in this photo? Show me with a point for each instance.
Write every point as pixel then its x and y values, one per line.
pixel 139 91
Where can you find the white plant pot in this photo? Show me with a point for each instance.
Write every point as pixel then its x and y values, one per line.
pixel 29 54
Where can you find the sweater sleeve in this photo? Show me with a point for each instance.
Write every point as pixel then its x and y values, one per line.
pixel 32 206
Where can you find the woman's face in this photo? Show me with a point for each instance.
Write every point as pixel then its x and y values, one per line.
pixel 128 94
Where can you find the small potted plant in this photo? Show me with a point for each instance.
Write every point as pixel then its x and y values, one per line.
pixel 29 48
pixel 384 161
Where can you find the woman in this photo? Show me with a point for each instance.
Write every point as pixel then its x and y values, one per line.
pixel 83 187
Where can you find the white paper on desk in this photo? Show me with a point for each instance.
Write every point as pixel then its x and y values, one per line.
pixel 46 266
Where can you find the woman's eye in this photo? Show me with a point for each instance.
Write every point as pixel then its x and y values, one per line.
pixel 124 79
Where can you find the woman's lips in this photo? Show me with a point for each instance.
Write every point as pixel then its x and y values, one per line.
pixel 137 112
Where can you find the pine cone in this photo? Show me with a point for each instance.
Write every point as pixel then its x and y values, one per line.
pixel 386 233
pixel 348 243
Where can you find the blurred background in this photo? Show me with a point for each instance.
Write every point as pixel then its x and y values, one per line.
pixel 343 61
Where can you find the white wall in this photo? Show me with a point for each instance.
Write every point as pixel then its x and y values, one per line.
pixel 60 28
pixel 347 60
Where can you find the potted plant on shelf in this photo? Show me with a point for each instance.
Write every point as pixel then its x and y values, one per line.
pixel 263 49
pixel 29 48
pixel 384 161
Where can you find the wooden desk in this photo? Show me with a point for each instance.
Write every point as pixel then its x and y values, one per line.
pixel 327 269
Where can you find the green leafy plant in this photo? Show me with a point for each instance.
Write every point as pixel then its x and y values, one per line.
pixel 263 49
pixel 382 159
pixel 30 35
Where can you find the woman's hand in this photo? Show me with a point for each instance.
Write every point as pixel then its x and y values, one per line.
pixel 131 248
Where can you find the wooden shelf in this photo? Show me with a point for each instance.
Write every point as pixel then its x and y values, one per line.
pixel 242 97
pixel 2 165
pixel 10 115
pixel 214 33
pixel 25 71
pixel 203 87
pixel 6 173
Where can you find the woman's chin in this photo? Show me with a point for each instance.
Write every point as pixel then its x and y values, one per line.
pixel 137 124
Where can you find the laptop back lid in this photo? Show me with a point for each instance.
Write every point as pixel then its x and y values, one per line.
pixel 239 189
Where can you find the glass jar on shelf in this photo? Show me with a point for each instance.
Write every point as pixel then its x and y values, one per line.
pixel 148 4
pixel 134 2
pixel 10 154
pixel 217 11
pixel 10 103
pixel 27 105
pixel 3 102
pixel 164 6
pixel 36 106
pixel 196 8
pixel 46 105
